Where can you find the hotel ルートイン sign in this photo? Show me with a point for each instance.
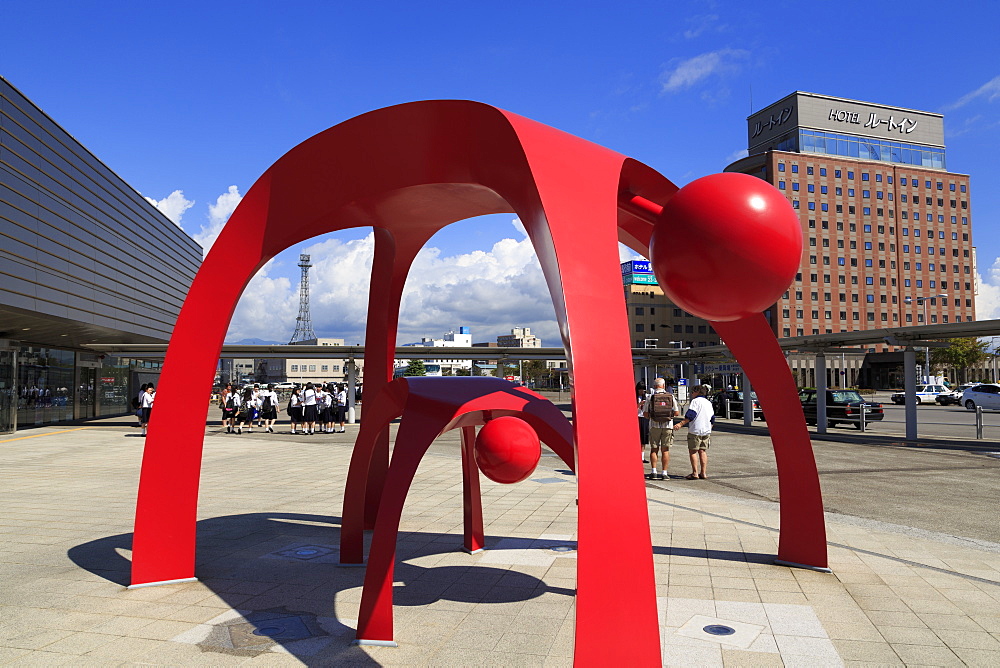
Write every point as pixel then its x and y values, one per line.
pixel 874 121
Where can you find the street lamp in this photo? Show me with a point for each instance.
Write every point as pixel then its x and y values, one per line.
pixel 923 302
pixel 648 343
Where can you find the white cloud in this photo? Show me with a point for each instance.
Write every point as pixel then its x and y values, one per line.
pixel 218 214
pixel 700 24
pixel 489 291
pixel 172 206
pixel 685 73
pixel 735 155
pixel 989 90
pixel 988 299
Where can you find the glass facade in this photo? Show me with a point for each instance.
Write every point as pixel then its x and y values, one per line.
pixel 863 148
pixel 55 385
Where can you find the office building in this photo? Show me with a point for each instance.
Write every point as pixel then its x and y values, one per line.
pixel 887 229
pixel 519 337
pixel 304 370
pixel 84 258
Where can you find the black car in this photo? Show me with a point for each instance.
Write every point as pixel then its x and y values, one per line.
pixel 841 406
pixel 735 404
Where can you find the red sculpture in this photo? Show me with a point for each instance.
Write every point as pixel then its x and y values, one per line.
pixel 515 417
pixel 407 171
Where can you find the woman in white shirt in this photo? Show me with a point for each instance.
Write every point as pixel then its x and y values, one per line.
pixel 309 409
pixel 295 409
pixel 342 407
pixel 146 407
pixel 268 407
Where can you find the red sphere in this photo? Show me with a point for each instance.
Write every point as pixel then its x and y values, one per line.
pixel 507 450
pixel 726 246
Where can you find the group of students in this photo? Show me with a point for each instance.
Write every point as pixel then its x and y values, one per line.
pixel 657 410
pixel 244 408
pixel 318 407
pixel 310 409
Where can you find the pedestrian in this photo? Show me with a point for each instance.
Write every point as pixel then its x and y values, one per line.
pixel 146 406
pixel 269 407
pixel 699 418
pixel 137 401
pixel 228 405
pixel 244 410
pixel 640 399
pixel 309 409
pixel 324 416
pixel 342 407
pixel 660 408
pixel 258 402
pixel 294 409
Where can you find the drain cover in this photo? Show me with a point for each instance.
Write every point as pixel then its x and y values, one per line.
pixel 562 548
pixel 269 631
pixel 719 630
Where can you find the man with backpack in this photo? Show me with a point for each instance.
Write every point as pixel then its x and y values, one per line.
pixel 661 408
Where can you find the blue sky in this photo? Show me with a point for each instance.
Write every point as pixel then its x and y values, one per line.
pixel 191 102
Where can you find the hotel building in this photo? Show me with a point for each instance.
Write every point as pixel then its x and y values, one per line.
pixel 886 228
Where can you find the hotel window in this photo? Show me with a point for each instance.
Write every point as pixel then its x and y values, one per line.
pixel 826 207
pixel 850 192
pixel 902 181
pixel 795 187
pixel 864 176
pixel 639 327
pixel 870 299
pixel 811 188
pixel 869 280
pixel 781 185
pixel 812 206
pixel 867 210
pixel 837 173
pixel 962 187
pixel 809 170
pixel 867 228
pixel 868 262
pixel 795 169
pixel 822 171
pixel 879 194
pixel 824 190
pixel 781 166
pixel 850 176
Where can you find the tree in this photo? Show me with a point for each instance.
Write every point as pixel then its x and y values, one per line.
pixel 415 368
pixel 532 370
pixel 961 354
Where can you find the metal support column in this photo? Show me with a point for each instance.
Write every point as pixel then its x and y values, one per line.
pixel 910 385
pixel 747 400
pixel 821 393
pixel 352 388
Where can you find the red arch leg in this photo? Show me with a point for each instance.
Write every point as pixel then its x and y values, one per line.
pixel 472 502
pixel 390 267
pixel 416 433
pixel 802 538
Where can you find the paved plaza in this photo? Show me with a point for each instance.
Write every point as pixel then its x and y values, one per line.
pixel 271 593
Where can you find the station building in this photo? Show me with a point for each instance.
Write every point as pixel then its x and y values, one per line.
pixel 84 258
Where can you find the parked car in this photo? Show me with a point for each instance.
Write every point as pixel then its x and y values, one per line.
pixel 841 406
pixel 986 395
pixel 926 394
pixel 735 404
pixel 954 395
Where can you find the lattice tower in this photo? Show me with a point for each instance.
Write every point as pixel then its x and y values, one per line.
pixel 303 323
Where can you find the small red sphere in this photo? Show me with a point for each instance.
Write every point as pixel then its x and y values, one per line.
pixel 726 246
pixel 507 450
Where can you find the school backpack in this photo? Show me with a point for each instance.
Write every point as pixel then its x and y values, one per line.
pixel 267 402
pixel 661 406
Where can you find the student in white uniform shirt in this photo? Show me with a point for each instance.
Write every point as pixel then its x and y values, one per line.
pixel 295 410
pixel 268 407
pixel 341 407
pixel 309 409
pixel 146 406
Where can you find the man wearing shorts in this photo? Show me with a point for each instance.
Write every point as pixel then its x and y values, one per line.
pixel 699 418
pixel 660 408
